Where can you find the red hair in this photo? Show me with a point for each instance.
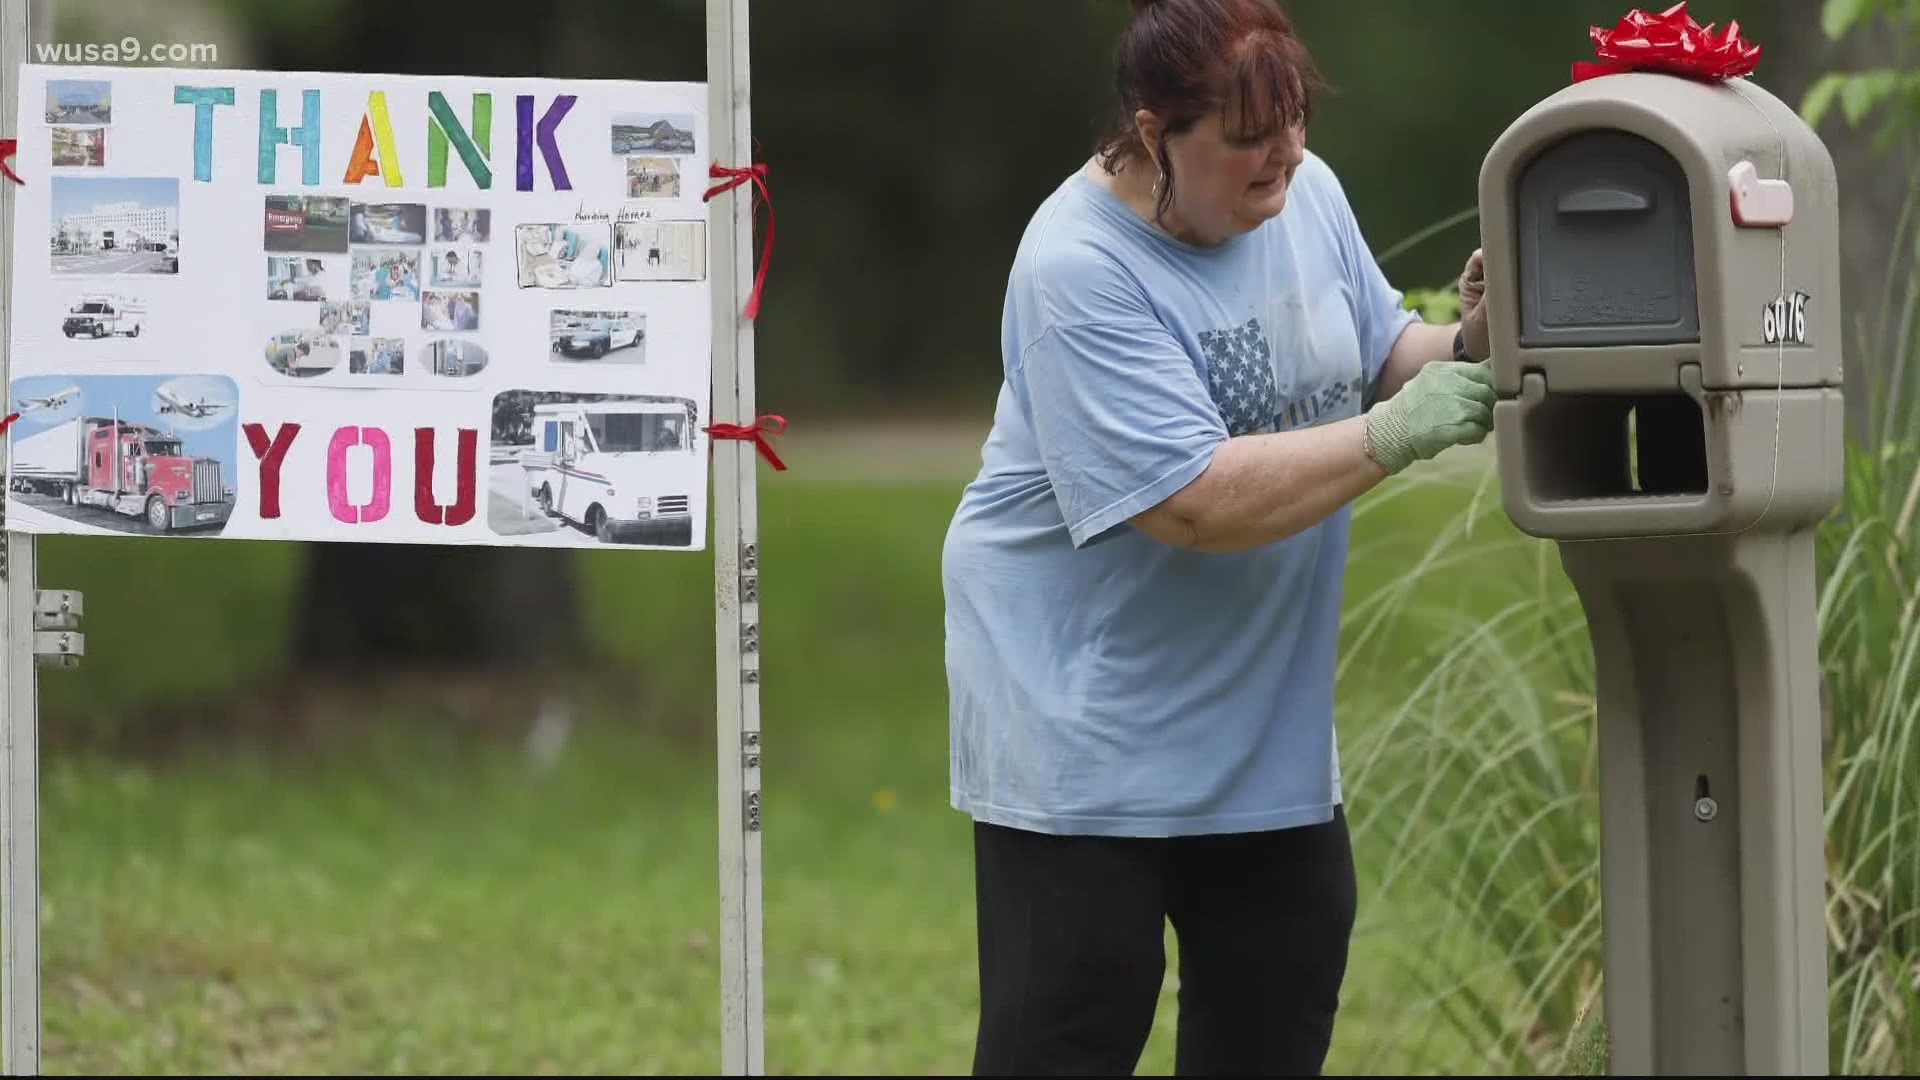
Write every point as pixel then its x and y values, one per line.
pixel 1182 59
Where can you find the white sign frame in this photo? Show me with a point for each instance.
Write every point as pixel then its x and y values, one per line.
pixel 484 320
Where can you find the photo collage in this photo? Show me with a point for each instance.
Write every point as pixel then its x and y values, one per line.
pixel 648 248
pixel 638 445
pixel 121 229
pixel 80 112
pixel 359 280
pixel 102 224
pixel 152 453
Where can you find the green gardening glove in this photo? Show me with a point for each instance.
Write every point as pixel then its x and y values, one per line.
pixel 1446 403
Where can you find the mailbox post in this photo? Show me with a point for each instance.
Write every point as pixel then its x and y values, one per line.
pixel 1662 264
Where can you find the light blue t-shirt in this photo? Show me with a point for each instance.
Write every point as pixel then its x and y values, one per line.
pixel 1101 681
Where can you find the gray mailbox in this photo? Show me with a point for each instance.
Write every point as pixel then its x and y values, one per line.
pixel 1667 254
pixel 1662 263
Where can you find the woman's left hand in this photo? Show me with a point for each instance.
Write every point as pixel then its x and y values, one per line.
pixel 1473 281
pixel 1473 306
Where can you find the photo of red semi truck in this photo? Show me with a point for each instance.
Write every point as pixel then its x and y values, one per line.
pixel 132 469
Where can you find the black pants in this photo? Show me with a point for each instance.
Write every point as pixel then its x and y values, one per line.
pixel 1072 957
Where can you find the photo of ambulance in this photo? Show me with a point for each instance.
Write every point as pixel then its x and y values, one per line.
pixel 98 315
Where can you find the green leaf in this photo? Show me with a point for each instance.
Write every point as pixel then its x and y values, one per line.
pixel 1839 16
pixel 1860 93
pixel 1889 131
pixel 1434 305
pixel 1910 91
pixel 1820 98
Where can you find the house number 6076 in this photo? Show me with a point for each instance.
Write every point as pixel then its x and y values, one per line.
pixel 1785 319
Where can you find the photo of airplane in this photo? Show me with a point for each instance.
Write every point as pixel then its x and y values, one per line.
pixel 170 402
pixel 51 401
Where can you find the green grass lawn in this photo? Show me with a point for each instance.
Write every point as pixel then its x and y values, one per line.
pixel 401 896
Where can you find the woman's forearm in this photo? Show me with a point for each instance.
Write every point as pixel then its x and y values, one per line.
pixel 1419 345
pixel 1263 488
pixel 1258 489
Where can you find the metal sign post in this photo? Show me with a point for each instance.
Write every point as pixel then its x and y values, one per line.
pixel 19 750
pixel 36 628
pixel 736 556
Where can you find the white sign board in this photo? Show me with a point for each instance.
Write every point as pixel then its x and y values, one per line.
pixel 364 308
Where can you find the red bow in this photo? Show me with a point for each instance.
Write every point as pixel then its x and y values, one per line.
pixel 769 422
pixel 8 147
pixel 1670 42
pixel 734 178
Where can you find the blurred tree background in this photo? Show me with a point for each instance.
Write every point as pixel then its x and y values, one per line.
pixel 427 901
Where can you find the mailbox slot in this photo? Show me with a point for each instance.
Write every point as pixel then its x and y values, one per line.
pixel 1605 245
pixel 1587 446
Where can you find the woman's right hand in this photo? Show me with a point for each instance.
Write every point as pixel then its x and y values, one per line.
pixel 1446 403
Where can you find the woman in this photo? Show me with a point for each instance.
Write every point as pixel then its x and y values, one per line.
pixel 1204 368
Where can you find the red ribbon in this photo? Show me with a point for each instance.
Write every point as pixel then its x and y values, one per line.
pixel 8 422
pixel 9 147
pixel 734 178
pixel 773 422
pixel 1671 43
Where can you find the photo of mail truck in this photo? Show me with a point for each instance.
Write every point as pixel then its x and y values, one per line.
pixel 622 469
